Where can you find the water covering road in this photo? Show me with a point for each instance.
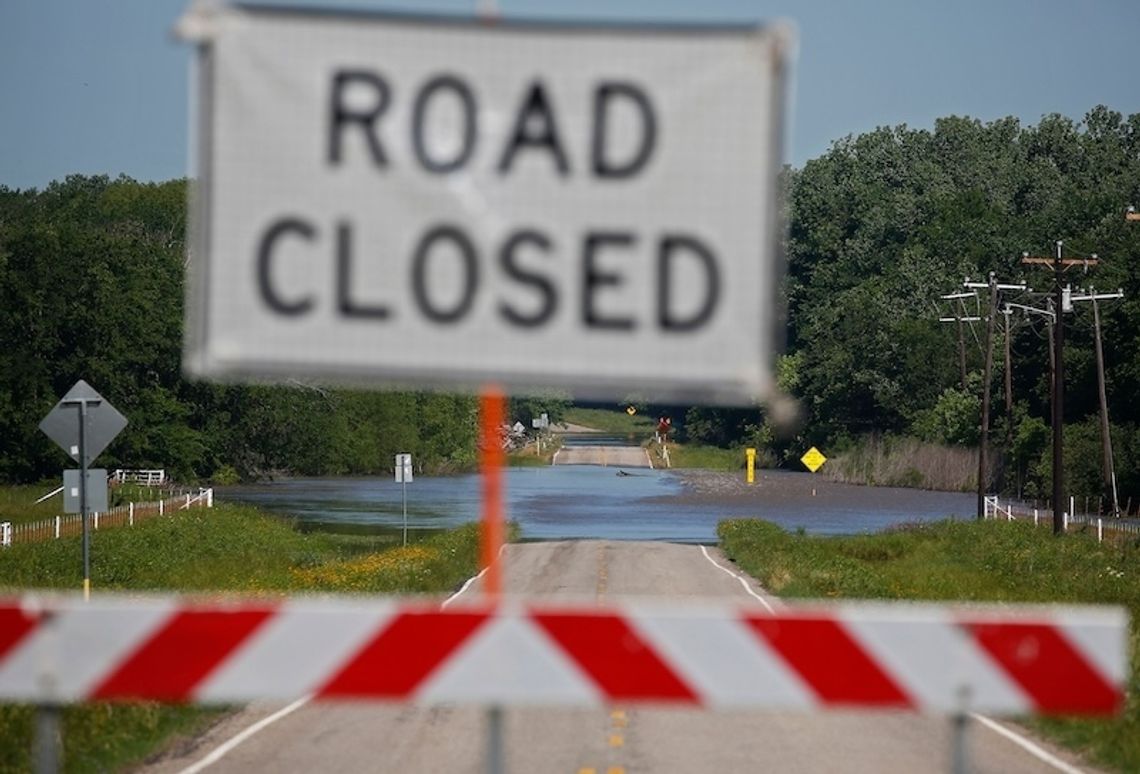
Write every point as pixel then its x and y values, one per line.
pixel 552 503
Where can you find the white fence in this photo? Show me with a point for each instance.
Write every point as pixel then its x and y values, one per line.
pixel 144 477
pixel 119 516
pixel 1114 528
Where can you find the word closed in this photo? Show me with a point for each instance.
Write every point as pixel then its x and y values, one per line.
pixel 445 203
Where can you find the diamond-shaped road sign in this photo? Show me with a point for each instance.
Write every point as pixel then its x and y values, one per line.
pixel 104 422
pixel 813 459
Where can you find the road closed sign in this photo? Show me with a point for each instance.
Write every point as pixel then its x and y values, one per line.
pixel 405 201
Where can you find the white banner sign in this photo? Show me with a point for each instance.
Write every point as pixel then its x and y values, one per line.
pixel 447 203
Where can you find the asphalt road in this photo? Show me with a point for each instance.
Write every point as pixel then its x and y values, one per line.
pixel 611 456
pixel 617 740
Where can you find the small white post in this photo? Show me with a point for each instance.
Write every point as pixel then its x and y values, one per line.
pixel 96 515
pixel 210 497
pixel 1073 506
pixel 130 514
pixel 1099 530
pixel 161 502
pixel 58 519
pixel 6 533
pixel 187 501
pixel 1065 521
pixel 1034 517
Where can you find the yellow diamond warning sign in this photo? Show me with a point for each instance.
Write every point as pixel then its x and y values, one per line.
pixel 631 411
pixel 813 459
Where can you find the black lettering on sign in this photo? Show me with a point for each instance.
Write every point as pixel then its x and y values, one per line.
pixel 265 257
pixel 535 110
pixel 672 247
pixel 341 116
pixel 420 274
pixel 466 100
pixel 347 306
pixel 508 259
pixel 604 95
pixel 594 279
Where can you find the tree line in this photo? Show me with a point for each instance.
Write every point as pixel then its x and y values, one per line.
pixel 880 226
pixel 886 222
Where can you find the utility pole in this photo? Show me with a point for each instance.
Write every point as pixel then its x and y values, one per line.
pixel 1058 265
pixel 1108 465
pixel 1047 312
pixel 959 318
pixel 983 447
pixel 1008 380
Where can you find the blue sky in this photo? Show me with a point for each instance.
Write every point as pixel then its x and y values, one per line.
pixel 100 86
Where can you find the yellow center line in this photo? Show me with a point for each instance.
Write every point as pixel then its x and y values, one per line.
pixel 616 740
pixel 615 770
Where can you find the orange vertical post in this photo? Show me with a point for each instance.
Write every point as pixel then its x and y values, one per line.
pixel 492 409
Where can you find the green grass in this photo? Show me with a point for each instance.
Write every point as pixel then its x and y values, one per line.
pixel 18 503
pixel 611 421
pixel 227 548
pixel 698 456
pixel 976 561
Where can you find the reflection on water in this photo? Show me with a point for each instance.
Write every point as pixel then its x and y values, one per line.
pixel 584 502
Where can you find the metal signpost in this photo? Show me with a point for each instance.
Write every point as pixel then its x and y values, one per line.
pixel 404 476
pixel 83 423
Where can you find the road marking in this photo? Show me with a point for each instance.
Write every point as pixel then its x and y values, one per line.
pixel 615 770
pixel 619 719
pixel 616 740
pixel 743 582
pixel 1031 748
pixel 221 751
pixel 554 459
pixel 590 770
pixel 649 458
pixel 1027 745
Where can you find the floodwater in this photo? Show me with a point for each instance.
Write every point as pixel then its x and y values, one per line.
pixel 567 502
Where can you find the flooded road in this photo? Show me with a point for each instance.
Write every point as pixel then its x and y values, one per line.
pixel 552 503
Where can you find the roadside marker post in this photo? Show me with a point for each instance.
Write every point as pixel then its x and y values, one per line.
pixel 751 455
pixel 404 476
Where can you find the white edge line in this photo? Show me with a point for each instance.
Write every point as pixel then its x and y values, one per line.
pixel 463 588
pixel 743 582
pixel 226 747
pixel 650 459
pixel 1025 744
pixel 223 749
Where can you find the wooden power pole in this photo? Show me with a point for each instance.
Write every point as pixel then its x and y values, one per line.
pixel 1058 264
pixel 1107 463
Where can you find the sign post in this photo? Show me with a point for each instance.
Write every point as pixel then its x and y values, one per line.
pixel 404 476
pixel 83 423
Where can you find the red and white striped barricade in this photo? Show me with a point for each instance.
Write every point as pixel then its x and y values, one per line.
pixel 929 658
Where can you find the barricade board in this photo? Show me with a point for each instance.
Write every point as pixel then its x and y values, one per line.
pixel 922 657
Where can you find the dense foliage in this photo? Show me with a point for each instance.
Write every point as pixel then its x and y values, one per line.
pixel 91 286
pixel 879 227
pixel 886 222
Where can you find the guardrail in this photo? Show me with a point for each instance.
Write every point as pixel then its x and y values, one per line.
pixel 119 516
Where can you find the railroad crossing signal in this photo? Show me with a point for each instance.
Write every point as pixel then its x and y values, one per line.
pixel 813 459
